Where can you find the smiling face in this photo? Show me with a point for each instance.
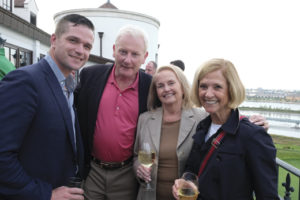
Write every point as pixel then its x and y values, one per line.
pixel 168 88
pixel 129 53
pixel 71 49
pixel 214 96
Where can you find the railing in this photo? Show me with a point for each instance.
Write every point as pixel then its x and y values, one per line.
pixel 287 185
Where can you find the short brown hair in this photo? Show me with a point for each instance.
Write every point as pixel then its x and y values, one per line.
pixel 75 19
pixel 235 86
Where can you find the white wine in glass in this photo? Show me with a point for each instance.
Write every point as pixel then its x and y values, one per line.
pixel 188 194
pixel 188 189
pixel 146 157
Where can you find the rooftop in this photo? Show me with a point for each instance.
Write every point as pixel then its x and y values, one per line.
pixel 108 5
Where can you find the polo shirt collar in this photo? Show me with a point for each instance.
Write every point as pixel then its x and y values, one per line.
pixel 112 79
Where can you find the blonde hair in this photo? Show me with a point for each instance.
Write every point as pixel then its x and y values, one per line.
pixel 153 100
pixel 236 88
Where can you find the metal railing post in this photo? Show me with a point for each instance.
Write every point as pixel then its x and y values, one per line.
pixel 287 184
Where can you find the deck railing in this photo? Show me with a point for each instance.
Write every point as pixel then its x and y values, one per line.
pixel 287 184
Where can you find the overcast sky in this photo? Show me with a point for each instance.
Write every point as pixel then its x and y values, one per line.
pixel 260 37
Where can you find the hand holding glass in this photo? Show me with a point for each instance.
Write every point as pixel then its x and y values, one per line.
pixel 188 186
pixel 74 182
pixel 146 157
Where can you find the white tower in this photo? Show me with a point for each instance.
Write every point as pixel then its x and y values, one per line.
pixel 108 19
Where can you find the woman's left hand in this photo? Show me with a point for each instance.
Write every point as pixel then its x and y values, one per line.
pixel 175 189
pixel 144 173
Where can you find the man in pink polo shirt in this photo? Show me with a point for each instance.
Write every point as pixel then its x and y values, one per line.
pixel 109 101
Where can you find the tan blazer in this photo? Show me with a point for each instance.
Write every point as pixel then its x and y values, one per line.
pixel 149 129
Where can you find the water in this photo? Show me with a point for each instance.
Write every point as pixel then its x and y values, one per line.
pixel 291 106
pixel 280 123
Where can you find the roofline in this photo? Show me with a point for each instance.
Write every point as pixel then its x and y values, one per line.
pixel 16 23
pixel 107 12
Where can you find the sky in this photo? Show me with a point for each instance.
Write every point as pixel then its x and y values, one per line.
pixel 260 37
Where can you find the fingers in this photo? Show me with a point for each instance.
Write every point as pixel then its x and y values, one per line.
pixel 76 191
pixel 144 173
pixel 266 125
pixel 175 189
pixel 255 118
pixel 66 193
pixel 260 121
pixel 76 197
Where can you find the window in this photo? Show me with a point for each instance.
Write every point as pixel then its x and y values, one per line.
pixel 7 5
pixel 18 56
pixel 25 58
pixel 33 18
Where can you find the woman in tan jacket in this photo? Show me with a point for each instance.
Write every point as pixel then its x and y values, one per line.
pixel 168 127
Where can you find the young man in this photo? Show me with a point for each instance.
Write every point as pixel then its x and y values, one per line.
pixel 110 99
pixel 40 146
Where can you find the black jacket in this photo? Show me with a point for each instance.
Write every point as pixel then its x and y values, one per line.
pixel 87 98
pixel 244 162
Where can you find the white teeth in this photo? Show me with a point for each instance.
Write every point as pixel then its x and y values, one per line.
pixel 168 95
pixel 211 102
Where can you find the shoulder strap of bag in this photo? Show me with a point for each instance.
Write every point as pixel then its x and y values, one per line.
pixel 214 145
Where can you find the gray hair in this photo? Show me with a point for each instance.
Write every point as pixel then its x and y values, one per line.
pixel 133 31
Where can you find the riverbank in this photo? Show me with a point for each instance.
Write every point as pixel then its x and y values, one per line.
pixel 288 149
pixel 283 140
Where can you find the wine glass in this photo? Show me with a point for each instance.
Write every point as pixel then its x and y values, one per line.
pixel 146 157
pixel 74 182
pixel 188 186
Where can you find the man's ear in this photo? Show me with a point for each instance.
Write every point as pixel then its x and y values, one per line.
pixel 145 56
pixel 114 48
pixel 53 39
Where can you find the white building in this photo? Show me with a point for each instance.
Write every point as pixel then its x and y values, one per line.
pixel 108 20
pixel 26 44
pixel 26 9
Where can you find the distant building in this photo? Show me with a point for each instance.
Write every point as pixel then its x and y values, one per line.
pixel 273 95
pixel 26 9
pixel 25 43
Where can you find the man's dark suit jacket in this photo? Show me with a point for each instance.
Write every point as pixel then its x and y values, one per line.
pixel 87 98
pixel 37 149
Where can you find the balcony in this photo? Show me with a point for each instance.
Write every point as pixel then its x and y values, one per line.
pixel 288 187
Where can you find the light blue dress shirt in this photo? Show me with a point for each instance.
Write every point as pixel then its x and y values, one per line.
pixel 61 79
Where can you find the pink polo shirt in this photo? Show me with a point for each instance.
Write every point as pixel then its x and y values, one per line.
pixel 116 121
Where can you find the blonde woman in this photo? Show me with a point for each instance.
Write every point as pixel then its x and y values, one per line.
pixel 243 156
pixel 168 127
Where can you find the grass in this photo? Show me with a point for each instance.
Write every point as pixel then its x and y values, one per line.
pixel 288 150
